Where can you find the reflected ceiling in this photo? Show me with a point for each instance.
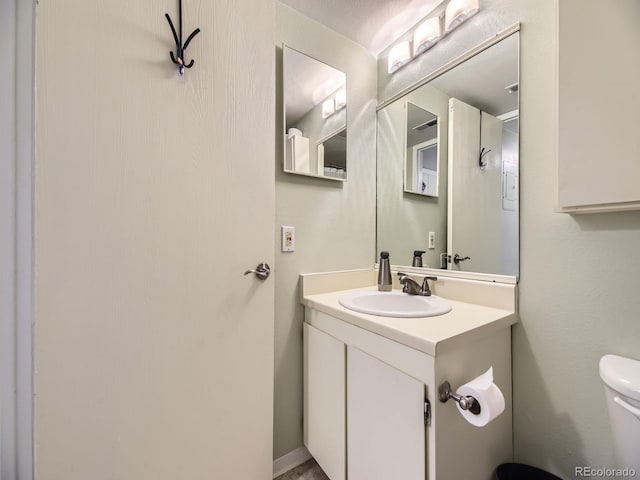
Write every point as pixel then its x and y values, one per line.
pixel 484 92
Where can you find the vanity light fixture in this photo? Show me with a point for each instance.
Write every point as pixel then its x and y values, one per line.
pixel 341 99
pixel 398 56
pixel 429 32
pixel 459 11
pixel 328 108
pixel 427 35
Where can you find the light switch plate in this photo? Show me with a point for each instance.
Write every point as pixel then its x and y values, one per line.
pixel 432 240
pixel 288 238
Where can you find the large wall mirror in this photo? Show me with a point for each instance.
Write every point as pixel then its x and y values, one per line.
pixel 448 166
pixel 315 117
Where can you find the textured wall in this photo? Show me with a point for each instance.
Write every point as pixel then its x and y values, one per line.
pixel 153 194
pixel 578 297
pixel 578 287
pixel 335 221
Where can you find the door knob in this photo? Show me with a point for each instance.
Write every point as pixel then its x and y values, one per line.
pixel 459 258
pixel 262 271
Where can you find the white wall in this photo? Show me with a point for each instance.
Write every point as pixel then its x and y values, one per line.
pixel 509 221
pixel 335 221
pixel 578 285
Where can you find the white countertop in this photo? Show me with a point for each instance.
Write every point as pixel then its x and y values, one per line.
pixel 465 322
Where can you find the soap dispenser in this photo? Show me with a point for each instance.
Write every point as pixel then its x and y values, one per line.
pixel 417 258
pixel 384 273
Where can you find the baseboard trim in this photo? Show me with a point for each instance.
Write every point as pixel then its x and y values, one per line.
pixel 290 460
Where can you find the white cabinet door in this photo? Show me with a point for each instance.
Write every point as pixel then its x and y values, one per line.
pixel 324 401
pixel 598 104
pixel 385 421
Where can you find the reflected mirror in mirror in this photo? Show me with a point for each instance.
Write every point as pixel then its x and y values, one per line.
pixel 473 223
pixel 315 117
pixel 332 155
pixel 421 152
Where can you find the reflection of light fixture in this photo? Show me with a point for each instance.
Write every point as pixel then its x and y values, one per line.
pixel 398 56
pixel 458 11
pixel 328 108
pixel 426 35
pixel 335 102
pixel 341 99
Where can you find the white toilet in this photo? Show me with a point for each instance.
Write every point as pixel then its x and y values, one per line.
pixel 621 377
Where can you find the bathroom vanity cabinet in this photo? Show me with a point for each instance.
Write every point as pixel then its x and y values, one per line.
pixel 383 412
pixel 371 408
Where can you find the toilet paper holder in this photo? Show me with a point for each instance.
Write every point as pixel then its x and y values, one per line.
pixel 465 402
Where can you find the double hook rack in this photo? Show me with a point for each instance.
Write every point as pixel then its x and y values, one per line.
pixel 483 153
pixel 178 58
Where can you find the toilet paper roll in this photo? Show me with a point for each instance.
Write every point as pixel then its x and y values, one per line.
pixel 487 394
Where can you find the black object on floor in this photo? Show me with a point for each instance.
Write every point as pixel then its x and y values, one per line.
pixel 519 471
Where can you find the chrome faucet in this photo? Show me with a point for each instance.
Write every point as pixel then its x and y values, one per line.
pixel 412 287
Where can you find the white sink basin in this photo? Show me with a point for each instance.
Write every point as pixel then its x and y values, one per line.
pixel 394 304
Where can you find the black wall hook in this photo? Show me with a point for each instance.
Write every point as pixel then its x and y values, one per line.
pixel 483 153
pixel 178 58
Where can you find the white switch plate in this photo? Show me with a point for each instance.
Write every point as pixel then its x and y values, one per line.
pixel 432 240
pixel 288 238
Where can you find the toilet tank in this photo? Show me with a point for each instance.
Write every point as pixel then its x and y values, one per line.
pixel 621 378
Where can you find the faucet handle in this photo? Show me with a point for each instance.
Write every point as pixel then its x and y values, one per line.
pixel 426 291
pixel 402 276
pixel 410 286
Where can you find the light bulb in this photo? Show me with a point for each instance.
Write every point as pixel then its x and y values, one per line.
pixel 459 11
pixel 398 56
pixel 426 35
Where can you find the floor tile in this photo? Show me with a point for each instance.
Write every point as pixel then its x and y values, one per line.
pixel 309 470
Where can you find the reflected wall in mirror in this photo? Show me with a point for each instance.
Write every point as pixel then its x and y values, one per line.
pixel 405 219
pixel 421 152
pixel 315 117
pixel 475 217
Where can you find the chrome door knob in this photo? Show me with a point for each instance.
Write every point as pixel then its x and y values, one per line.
pixel 262 271
pixel 459 258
